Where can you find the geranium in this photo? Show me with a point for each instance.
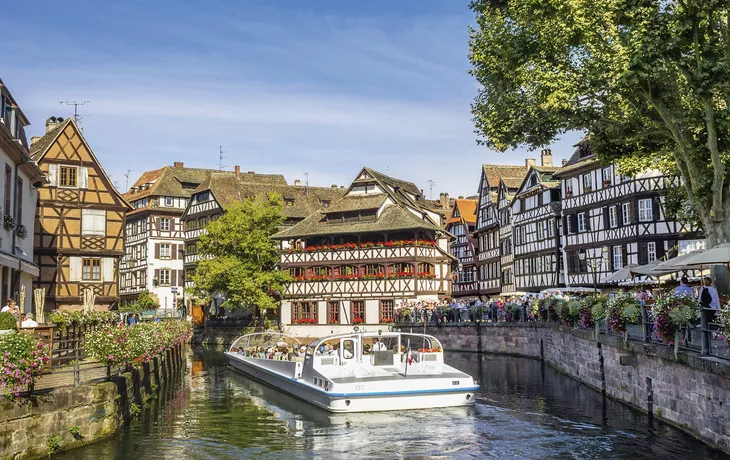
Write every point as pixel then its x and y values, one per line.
pixel 723 321
pixel 357 320
pixel 386 320
pixel 22 358
pixel 671 313
pixel 621 311
pixel 426 275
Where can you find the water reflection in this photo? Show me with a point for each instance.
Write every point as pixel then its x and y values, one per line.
pixel 524 410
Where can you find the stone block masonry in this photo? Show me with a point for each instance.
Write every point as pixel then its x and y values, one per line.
pixel 70 417
pixel 690 392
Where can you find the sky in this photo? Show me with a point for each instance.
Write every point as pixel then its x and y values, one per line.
pixel 311 89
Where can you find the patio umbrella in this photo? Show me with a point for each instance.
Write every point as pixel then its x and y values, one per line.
pixel 649 270
pixel 621 274
pixel 679 263
pixel 719 255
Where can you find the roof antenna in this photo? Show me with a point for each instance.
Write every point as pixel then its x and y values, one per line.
pixel 129 171
pixel 220 157
pixel 76 105
pixel 387 170
pixel 430 188
pixel 306 185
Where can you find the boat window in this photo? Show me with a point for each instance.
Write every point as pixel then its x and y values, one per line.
pixel 348 349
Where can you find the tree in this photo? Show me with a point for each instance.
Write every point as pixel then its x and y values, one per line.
pixel 238 257
pixel 144 302
pixel 649 80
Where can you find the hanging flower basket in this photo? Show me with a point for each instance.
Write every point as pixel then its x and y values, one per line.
pixel 21 231
pixel 8 222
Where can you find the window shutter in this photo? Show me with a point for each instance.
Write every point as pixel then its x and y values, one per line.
pixel 173 278
pixel 655 210
pixel 624 256
pixel 53 175
pixel 606 217
pixel 633 212
pixel 588 220
pixel 620 215
pixel 610 259
pixel 157 250
pixel 107 269
pixel 180 278
pixel 157 224
pixel 83 177
pixel 573 223
pixel 74 269
pixel 157 275
pixel 660 252
pixel 643 253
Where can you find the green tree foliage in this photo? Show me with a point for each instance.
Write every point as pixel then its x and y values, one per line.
pixel 238 257
pixel 648 79
pixel 144 302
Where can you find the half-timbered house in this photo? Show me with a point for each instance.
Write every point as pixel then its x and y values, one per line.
pixel 221 190
pixel 356 260
pixel 489 225
pixel 154 233
pixel 536 231
pixel 20 185
pixel 610 220
pixel 79 228
pixel 463 248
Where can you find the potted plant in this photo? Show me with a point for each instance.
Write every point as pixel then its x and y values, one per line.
pixel 8 222
pixel 621 311
pixel 672 313
pixel 21 231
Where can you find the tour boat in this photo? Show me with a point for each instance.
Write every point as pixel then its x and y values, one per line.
pixel 355 372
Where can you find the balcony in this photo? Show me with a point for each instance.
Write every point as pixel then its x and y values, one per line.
pixel 345 256
pixel 356 288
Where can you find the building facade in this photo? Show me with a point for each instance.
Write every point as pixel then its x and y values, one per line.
pixel 461 224
pixel 610 221
pixel 356 260
pixel 154 234
pixel 20 185
pixel 491 223
pixel 536 230
pixel 79 228
pixel 221 190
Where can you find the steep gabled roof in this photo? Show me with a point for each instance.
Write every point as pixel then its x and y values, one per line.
pixel 512 175
pixel 545 178
pixel 392 182
pixel 168 181
pixel 581 158
pixel 40 146
pixel 464 210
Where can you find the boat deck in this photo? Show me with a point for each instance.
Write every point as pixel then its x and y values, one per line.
pixel 396 375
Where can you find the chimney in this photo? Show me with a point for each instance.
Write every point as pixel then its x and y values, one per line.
pixel 297 183
pixel 444 198
pixel 34 139
pixel 179 164
pixel 564 162
pixel 52 122
pixel 237 170
pixel 250 172
pixel 530 162
pixel 546 157
pixel 334 186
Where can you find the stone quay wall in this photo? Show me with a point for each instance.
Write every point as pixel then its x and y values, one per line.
pixel 70 417
pixel 689 392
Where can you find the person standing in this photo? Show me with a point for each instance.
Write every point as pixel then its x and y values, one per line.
pixel 708 296
pixel 684 288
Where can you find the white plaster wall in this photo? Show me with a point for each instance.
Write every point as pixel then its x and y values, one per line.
pixel 371 311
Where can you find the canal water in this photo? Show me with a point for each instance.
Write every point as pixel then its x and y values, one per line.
pixel 524 410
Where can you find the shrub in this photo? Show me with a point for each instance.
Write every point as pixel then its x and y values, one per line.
pixel 8 321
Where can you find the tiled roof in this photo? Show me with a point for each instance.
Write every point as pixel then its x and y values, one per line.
pixel 467 212
pixel 300 201
pixel 581 158
pixel 393 218
pixel 512 175
pixel 357 202
pixel 409 187
pixel 39 147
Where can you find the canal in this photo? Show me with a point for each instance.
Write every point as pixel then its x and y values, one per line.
pixel 524 410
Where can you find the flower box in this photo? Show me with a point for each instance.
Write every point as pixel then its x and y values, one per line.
pixel 358 321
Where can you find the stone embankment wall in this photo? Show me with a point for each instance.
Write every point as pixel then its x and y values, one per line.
pixel 690 392
pixel 223 336
pixel 70 417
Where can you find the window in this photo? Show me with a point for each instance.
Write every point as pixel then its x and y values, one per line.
pixel 587 182
pixel 569 187
pixel 191 248
pixel 358 311
pixel 164 250
pixel 168 201
pixel 613 217
pixel 540 232
pixel 289 202
pixel 8 189
pixel 581 222
pixel 325 203
pixel 93 222
pixel 387 308
pixel 333 312
pixel 165 277
pixel 550 228
pixel 68 176
pixel 651 251
pixel 607 176
pixel 625 213
pixel 645 210
pixel 91 269
pixel 618 257
pixel 165 224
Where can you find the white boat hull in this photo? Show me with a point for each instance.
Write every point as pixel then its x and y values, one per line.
pixel 356 401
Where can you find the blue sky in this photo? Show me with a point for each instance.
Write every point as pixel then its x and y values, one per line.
pixel 293 87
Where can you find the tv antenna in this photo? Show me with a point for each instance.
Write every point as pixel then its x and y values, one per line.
pixel 306 185
pixel 220 157
pixel 430 188
pixel 76 105
pixel 129 171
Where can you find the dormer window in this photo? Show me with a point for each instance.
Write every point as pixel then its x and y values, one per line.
pixel 168 201
pixel 289 202
pixel 325 203
pixel 587 182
